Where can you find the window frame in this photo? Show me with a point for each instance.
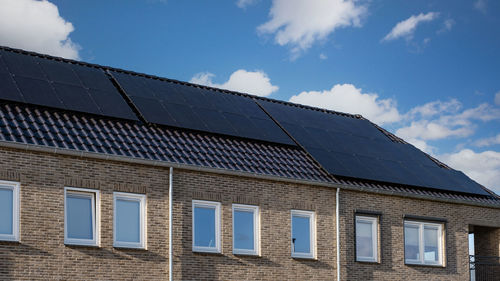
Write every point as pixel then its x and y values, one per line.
pixel 212 205
pixel 96 218
pixel 135 197
pixel 421 240
pixel 256 229
pixel 14 186
pixel 312 230
pixel 375 224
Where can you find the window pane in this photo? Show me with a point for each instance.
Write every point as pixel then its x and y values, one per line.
pixel 128 221
pixel 6 211
pixel 431 252
pixel 411 243
pixel 301 236
pixel 79 217
pixel 364 239
pixel 243 230
pixel 204 227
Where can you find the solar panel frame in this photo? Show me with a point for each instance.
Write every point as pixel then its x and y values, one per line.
pixel 353 147
pixel 185 105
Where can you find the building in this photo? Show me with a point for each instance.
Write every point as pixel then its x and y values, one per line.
pixel 108 174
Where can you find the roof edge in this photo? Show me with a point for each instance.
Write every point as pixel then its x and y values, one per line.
pixel 158 163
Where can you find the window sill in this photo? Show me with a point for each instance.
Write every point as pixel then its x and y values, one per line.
pixel 425 265
pixel 368 262
pixel 129 248
pixel 304 258
pixel 247 255
pixel 207 253
pixel 81 245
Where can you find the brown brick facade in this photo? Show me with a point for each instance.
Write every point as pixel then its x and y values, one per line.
pixel 42 255
pixel 393 209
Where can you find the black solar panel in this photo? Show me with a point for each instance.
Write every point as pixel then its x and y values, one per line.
pixel 58 84
pixel 183 106
pixel 353 147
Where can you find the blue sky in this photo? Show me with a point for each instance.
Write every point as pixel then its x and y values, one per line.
pixel 426 70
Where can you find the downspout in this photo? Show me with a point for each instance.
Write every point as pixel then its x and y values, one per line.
pixel 337 208
pixel 170 195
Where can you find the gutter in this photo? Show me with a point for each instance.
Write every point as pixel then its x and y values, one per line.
pixel 170 200
pixel 337 230
pixel 158 163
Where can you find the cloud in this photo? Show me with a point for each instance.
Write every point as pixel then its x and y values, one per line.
pixel 347 98
pixel 323 56
pixel 483 167
pixel 432 130
pixel 300 23
pixel 36 26
pixel 488 141
pixel 252 82
pixel 440 120
pixel 407 27
pixel 480 5
pixel 497 98
pixel 245 3
pixel 447 26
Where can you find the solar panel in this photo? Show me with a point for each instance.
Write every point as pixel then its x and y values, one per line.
pixel 353 147
pixel 183 106
pixel 59 84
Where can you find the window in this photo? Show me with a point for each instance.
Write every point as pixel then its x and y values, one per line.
pixel 9 211
pixel 423 243
pixel 81 216
pixel 366 239
pixel 245 229
pixel 303 234
pixel 206 226
pixel 129 224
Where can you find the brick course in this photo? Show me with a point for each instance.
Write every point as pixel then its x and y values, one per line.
pixel 42 255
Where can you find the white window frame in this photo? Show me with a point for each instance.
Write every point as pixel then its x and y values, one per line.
pixel 256 229
pixel 96 216
pixel 14 186
pixel 374 221
pixel 212 205
pixel 440 239
pixel 312 230
pixel 141 198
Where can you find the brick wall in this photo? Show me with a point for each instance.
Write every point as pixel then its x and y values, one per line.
pixel 392 266
pixel 42 255
pixel 275 201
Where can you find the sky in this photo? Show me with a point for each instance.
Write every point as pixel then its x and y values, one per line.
pixel 428 70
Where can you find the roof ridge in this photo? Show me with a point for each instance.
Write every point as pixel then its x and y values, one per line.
pixel 151 76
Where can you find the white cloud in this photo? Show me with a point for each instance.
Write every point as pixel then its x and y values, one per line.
pixel 245 3
pixel 407 27
pixel 252 82
pixel 480 5
pixel 447 26
pixel 488 141
pixel 440 120
pixel 36 26
pixel 323 56
pixel 483 167
pixel 347 98
pixel 432 130
pixel 497 98
pixel 300 23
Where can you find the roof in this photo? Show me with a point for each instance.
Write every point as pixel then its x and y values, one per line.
pixel 60 129
pixel 54 102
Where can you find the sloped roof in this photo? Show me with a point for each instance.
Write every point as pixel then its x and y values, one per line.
pixel 54 102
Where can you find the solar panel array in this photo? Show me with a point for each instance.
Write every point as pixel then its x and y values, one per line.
pixel 41 81
pixel 173 104
pixel 343 145
pixel 353 147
